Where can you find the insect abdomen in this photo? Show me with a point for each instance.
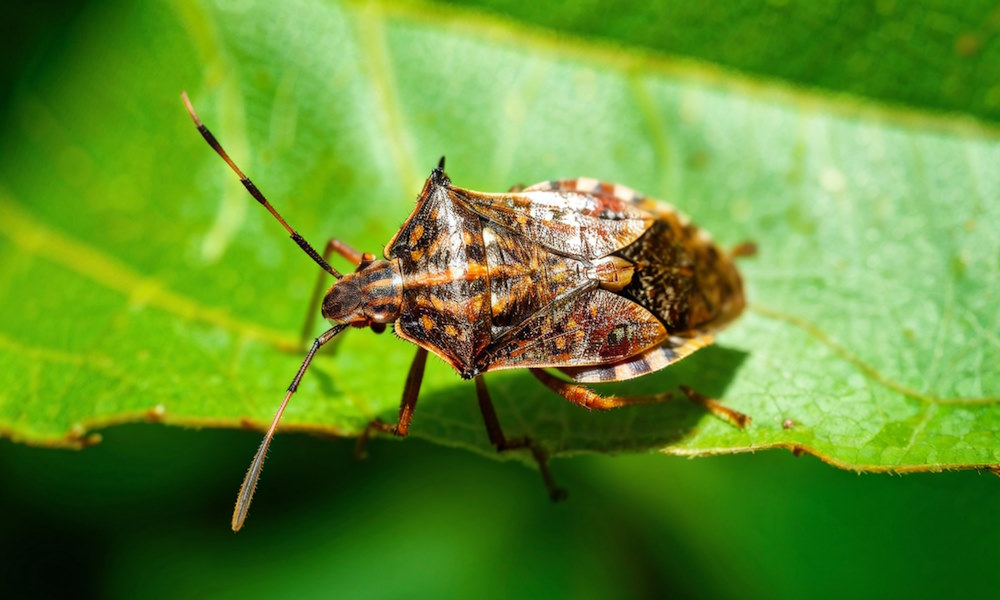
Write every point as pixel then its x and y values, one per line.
pixel 682 277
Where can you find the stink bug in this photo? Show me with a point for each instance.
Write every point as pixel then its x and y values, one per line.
pixel 589 278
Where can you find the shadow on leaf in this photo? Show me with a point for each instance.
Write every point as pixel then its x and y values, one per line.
pixel 525 407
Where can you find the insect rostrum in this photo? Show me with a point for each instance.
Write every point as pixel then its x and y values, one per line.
pixel 586 277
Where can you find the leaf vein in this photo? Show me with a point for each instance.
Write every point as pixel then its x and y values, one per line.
pixel 35 238
pixel 867 369
pixel 370 28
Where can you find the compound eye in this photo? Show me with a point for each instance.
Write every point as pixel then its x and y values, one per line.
pixel 342 299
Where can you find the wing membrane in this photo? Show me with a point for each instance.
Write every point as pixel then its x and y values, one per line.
pixel 589 327
pixel 588 220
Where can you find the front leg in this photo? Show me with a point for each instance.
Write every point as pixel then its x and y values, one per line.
pixel 410 392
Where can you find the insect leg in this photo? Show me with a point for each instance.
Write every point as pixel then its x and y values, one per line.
pixel 588 398
pixel 352 255
pixel 410 392
pixel 341 248
pixel 742 250
pixel 717 408
pixel 503 444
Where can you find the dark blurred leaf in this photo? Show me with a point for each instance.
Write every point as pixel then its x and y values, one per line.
pixel 141 282
pixel 932 53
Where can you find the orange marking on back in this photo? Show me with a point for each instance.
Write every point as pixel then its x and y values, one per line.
pixel 416 233
pixel 472 271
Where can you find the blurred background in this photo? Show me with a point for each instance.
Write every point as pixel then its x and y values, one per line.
pixel 146 511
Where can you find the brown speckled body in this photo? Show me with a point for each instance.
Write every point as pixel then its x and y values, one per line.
pixel 580 275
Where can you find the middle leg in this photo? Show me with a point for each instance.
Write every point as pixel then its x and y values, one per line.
pixel 498 439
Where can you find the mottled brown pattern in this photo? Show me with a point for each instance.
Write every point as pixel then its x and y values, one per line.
pixel 581 275
pixel 580 225
pixel 677 272
pixel 455 273
pixel 682 277
pixel 525 277
pixel 591 326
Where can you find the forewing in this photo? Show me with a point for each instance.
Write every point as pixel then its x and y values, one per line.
pixel 590 327
pixel 650 205
pixel 581 218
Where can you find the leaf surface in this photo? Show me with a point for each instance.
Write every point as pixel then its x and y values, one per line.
pixel 933 54
pixel 141 282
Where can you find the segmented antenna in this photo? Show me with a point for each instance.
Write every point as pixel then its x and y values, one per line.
pixel 256 193
pixel 253 473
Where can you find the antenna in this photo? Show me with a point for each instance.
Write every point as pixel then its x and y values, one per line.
pixel 256 193
pixel 253 474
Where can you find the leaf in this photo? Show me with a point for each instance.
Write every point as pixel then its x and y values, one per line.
pixel 141 282
pixel 935 55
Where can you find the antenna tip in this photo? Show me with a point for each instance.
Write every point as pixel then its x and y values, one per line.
pixel 240 513
pixel 190 108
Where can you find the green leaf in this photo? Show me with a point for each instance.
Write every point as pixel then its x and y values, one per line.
pixel 932 53
pixel 141 282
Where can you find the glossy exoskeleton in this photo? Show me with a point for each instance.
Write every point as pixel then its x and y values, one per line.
pixel 586 277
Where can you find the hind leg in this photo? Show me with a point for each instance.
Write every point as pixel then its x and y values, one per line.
pixel 588 398
pixel 717 408
pixel 743 250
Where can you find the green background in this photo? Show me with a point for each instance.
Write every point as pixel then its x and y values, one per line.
pixel 145 511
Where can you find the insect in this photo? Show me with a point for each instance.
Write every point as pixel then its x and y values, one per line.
pixel 589 278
